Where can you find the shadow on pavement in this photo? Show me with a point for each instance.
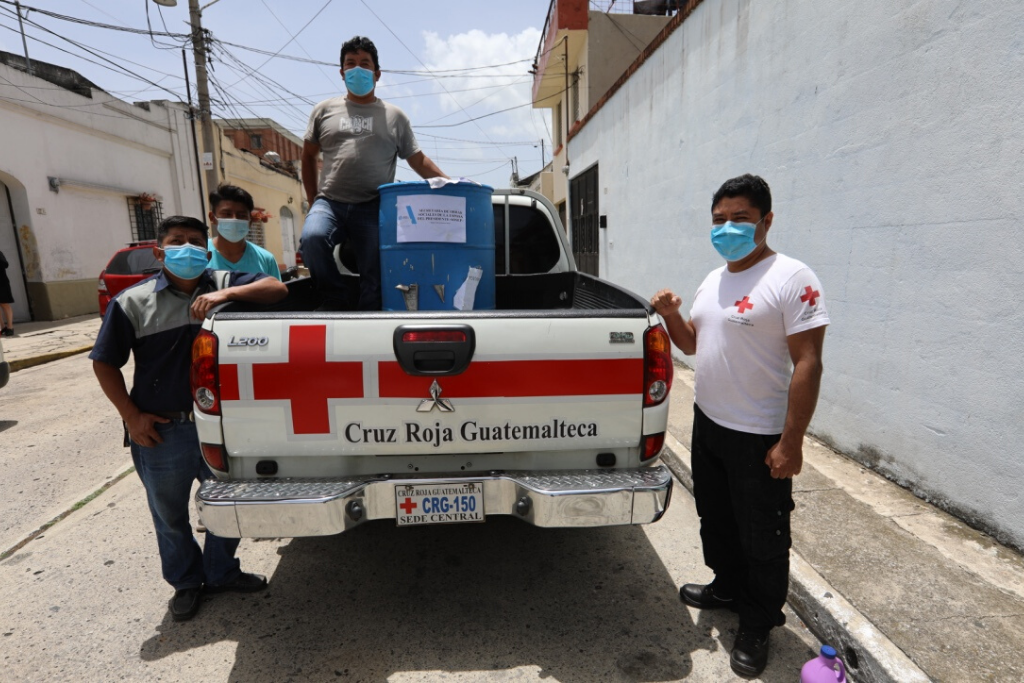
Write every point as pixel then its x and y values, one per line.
pixel 582 605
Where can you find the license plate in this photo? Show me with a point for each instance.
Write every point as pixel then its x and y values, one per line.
pixel 439 503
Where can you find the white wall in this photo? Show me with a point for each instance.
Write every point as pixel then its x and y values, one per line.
pixel 48 131
pixel 891 135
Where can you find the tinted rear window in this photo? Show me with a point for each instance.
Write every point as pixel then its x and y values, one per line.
pixel 533 246
pixel 134 262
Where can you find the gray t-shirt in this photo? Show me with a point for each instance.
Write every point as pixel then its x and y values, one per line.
pixel 361 144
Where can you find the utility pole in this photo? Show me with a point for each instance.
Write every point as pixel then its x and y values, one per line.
pixel 203 86
pixel 24 42
pixel 195 142
pixel 542 164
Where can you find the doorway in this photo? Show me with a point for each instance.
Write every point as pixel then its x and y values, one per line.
pixel 9 247
pixel 584 202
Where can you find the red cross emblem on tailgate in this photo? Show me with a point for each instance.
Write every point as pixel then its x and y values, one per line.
pixel 308 380
pixel 408 506
pixel 810 295
pixel 743 305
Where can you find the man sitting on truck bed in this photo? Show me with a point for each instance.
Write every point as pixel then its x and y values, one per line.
pixel 361 138
pixel 157 321
pixel 231 213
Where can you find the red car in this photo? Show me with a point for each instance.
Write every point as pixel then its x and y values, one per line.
pixel 129 265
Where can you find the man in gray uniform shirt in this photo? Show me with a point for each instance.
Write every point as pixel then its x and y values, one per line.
pixel 361 138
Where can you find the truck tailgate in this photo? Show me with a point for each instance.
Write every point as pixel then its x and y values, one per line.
pixel 334 386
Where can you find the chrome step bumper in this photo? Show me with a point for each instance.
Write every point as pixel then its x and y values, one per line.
pixel 286 508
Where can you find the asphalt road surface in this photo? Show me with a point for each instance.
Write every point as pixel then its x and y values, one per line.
pixel 499 601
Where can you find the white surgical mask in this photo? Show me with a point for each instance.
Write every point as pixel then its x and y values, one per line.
pixel 232 229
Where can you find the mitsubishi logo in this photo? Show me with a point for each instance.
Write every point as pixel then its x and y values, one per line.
pixel 435 401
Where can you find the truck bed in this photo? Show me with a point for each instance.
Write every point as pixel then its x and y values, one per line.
pixel 569 293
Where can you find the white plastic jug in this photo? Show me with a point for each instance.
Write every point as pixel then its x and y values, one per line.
pixel 825 668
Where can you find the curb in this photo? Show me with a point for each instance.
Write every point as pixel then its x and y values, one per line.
pixel 868 653
pixel 32 361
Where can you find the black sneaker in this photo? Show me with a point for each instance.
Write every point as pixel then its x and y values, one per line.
pixel 185 603
pixel 243 583
pixel 750 652
pixel 704 597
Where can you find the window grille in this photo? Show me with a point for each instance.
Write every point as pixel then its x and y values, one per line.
pixel 256 234
pixel 144 218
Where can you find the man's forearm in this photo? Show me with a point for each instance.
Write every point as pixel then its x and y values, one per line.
pixel 803 398
pixel 112 383
pixel 682 333
pixel 425 167
pixel 268 290
pixel 310 178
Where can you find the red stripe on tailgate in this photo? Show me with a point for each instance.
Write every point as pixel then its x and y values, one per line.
pixel 228 382
pixel 494 379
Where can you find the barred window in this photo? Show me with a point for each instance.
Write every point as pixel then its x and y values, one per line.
pixel 256 141
pixel 256 233
pixel 144 217
pixel 575 99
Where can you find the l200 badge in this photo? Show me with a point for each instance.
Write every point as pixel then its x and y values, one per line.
pixel 621 338
pixel 435 401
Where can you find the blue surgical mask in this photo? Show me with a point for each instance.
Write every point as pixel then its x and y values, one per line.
pixel 232 229
pixel 359 81
pixel 734 241
pixel 186 261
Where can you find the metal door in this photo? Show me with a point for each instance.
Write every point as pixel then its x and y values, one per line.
pixel 9 246
pixel 584 201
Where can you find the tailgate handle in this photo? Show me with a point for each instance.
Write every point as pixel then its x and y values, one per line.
pixel 434 349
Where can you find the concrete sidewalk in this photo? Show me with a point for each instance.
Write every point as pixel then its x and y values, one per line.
pixel 903 591
pixel 36 343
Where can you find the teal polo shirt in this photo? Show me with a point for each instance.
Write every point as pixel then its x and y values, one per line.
pixel 256 259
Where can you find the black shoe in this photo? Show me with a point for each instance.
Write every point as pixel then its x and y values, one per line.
pixel 185 603
pixel 750 653
pixel 243 583
pixel 704 597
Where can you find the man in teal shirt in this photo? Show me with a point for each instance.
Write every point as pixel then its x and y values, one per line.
pixel 230 211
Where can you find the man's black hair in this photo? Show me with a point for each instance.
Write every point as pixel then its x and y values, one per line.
pixel 230 193
pixel 753 187
pixel 357 43
pixel 180 222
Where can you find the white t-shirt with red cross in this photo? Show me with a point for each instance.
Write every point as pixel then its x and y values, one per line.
pixel 742 321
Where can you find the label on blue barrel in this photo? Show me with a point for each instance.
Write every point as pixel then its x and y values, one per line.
pixel 466 296
pixel 431 218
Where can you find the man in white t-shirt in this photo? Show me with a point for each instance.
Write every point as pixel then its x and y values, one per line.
pixel 757 327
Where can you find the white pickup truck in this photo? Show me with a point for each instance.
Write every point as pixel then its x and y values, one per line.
pixel 551 408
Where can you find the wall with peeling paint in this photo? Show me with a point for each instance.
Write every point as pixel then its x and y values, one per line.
pixel 891 135
pixel 103 151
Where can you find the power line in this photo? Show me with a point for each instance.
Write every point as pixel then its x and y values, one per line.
pixel 292 38
pixel 97 24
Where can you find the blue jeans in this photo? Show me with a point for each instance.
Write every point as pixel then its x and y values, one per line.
pixel 331 223
pixel 167 471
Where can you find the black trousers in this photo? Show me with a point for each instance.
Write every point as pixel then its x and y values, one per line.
pixel 744 519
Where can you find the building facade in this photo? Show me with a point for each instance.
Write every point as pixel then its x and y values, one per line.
pixel 81 175
pixel 890 135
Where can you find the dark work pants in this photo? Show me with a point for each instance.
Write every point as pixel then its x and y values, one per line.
pixel 744 519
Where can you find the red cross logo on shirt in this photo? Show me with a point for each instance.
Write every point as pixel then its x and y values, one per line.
pixel 308 380
pixel 743 304
pixel 810 295
pixel 408 506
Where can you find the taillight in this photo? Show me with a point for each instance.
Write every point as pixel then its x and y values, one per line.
pixel 215 456
pixel 101 285
pixel 205 382
pixel 658 368
pixel 435 336
pixel 652 445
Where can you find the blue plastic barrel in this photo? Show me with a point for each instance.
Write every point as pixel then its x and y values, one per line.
pixel 430 239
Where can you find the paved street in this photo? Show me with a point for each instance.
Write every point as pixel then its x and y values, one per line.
pixel 500 601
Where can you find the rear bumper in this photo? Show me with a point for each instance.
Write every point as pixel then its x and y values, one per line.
pixel 267 508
